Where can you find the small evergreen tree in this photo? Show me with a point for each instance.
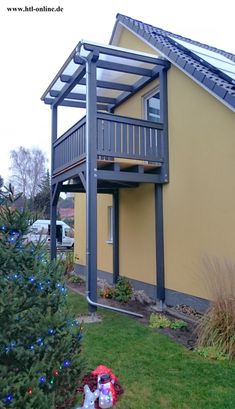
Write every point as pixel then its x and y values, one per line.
pixel 40 359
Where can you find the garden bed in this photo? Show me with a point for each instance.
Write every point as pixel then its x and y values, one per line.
pixel 184 336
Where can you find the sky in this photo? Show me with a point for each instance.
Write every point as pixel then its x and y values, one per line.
pixel 34 45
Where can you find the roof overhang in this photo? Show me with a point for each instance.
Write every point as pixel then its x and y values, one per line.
pixel 119 73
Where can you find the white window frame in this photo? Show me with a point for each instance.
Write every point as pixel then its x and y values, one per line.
pixel 110 224
pixel 146 97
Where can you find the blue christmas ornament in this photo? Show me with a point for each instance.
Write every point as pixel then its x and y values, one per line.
pixel 12 239
pixel 42 379
pixel 66 363
pixel 51 331
pixel 79 336
pixel 31 279
pixel 3 228
pixel 9 398
pixel 14 233
pixel 40 341
pixel 40 286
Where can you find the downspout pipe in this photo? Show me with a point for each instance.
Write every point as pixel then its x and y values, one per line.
pixel 95 304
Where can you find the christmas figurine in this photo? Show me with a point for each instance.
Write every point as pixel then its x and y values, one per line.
pixel 108 388
pixel 105 385
pixel 90 398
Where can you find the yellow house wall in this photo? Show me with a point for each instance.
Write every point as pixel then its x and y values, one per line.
pixel 199 201
pixel 105 250
pixel 137 234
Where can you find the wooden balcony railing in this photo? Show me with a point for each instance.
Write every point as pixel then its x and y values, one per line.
pixel 117 137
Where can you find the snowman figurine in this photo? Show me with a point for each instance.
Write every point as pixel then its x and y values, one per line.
pixel 106 389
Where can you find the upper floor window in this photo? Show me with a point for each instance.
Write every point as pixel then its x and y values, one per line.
pixel 152 106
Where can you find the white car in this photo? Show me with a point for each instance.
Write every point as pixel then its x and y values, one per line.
pixel 40 230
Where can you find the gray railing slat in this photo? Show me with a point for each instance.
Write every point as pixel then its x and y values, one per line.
pixel 106 140
pixel 136 141
pixel 131 140
pixel 112 136
pixel 148 142
pixel 142 141
pixel 118 137
pixel 124 138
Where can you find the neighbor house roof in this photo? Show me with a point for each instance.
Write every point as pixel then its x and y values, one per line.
pixel 212 68
pixel 66 212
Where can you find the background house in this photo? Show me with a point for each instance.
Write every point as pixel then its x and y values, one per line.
pixel 198 195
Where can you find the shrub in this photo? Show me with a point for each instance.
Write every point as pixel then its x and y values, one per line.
pixel 67 260
pixel 159 321
pixel 178 324
pixel 217 326
pixel 75 279
pixel 107 292
pixel 123 290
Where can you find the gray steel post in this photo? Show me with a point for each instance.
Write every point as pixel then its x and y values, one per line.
pixel 164 120
pixel 115 236
pixel 91 183
pixel 53 186
pixel 159 234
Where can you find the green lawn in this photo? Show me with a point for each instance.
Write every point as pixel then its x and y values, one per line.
pixel 154 371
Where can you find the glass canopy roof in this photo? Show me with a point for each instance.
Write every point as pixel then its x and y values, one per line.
pixel 119 73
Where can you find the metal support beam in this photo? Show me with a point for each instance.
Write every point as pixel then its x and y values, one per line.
pixel 75 104
pixel 82 97
pixel 159 234
pixel 83 179
pixel 130 69
pixel 123 176
pixel 55 194
pixel 128 54
pixel 76 77
pixel 164 120
pixel 53 204
pixel 101 84
pixel 141 83
pixel 91 183
pixel 115 236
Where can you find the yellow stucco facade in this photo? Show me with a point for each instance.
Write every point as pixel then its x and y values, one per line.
pixel 199 201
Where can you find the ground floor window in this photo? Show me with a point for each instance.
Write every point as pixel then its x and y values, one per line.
pixel 110 224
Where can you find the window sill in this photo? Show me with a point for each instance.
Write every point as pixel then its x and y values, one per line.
pixel 109 242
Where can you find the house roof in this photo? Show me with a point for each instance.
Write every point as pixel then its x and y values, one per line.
pixel 212 68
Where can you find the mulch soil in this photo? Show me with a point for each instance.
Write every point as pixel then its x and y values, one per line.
pixel 185 336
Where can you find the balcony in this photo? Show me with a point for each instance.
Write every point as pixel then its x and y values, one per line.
pixel 125 141
pixel 104 152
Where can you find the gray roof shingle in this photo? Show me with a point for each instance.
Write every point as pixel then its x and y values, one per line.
pixel 208 75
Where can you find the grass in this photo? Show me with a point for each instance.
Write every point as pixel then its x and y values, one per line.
pixel 154 371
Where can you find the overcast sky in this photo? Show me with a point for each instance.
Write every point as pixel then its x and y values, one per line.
pixel 34 45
